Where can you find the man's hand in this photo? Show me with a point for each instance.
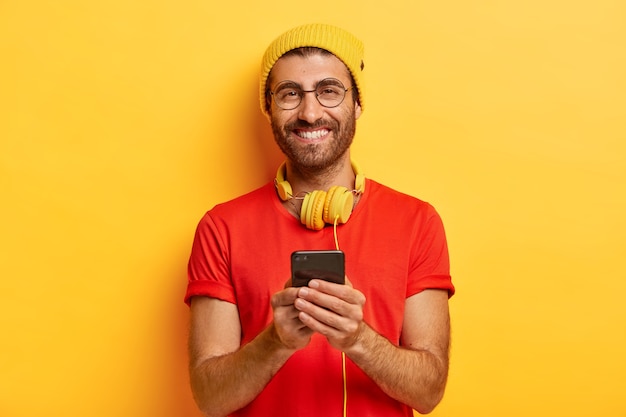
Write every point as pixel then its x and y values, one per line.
pixel 333 310
pixel 290 331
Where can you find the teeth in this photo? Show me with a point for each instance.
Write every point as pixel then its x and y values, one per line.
pixel 313 135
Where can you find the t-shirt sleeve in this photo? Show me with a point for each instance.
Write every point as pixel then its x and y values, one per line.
pixel 208 272
pixel 430 266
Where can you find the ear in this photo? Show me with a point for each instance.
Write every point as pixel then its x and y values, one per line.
pixel 357 110
pixel 268 106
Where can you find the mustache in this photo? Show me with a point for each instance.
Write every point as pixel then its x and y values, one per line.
pixel 303 124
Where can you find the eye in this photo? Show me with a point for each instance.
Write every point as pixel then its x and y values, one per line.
pixel 287 93
pixel 329 91
pixel 330 88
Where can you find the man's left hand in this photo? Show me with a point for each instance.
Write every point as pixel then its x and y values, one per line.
pixel 333 310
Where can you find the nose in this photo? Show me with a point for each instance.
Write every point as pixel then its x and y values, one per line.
pixel 310 109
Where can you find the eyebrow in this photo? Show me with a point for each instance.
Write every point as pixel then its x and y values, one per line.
pixel 322 82
pixel 288 84
pixel 330 81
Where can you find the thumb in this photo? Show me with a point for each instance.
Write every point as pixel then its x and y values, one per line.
pixel 348 282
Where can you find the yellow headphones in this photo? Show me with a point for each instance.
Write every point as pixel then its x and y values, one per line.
pixel 321 207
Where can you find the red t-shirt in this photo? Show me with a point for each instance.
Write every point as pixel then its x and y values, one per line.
pixel 395 247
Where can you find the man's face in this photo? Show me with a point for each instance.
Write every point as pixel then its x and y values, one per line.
pixel 312 136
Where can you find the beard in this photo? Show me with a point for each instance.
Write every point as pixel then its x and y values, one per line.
pixel 316 156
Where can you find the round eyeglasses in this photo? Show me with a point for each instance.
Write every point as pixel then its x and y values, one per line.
pixel 329 92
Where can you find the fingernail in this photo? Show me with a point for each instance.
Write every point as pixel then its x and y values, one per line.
pixel 304 291
pixel 314 283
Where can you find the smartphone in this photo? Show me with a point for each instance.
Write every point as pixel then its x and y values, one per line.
pixel 328 265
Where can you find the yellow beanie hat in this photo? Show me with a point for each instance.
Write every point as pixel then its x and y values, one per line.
pixel 337 41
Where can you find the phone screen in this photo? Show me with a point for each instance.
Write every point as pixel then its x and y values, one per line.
pixel 328 265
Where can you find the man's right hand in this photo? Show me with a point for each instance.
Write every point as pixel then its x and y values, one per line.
pixel 289 330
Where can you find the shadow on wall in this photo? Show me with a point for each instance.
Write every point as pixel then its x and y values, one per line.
pixel 263 156
pixel 256 161
pixel 175 324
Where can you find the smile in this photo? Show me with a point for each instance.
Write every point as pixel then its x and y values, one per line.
pixel 316 134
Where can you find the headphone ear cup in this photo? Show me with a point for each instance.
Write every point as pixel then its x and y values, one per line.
pixel 338 204
pixel 312 210
pixel 284 190
pixel 359 183
pixel 282 187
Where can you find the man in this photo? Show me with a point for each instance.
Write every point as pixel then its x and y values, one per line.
pixel 376 346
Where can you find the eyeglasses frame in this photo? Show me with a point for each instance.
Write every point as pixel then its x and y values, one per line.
pixel 345 90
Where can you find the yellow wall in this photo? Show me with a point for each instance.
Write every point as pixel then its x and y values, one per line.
pixel 122 122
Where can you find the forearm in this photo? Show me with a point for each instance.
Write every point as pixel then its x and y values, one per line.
pixel 226 383
pixel 416 377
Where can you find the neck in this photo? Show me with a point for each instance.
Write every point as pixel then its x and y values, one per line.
pixel 303 180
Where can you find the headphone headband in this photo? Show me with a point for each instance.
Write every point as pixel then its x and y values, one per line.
pixel 321 207
pixel 285 192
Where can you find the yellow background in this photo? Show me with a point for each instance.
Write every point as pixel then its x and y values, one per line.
pixel 121 122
